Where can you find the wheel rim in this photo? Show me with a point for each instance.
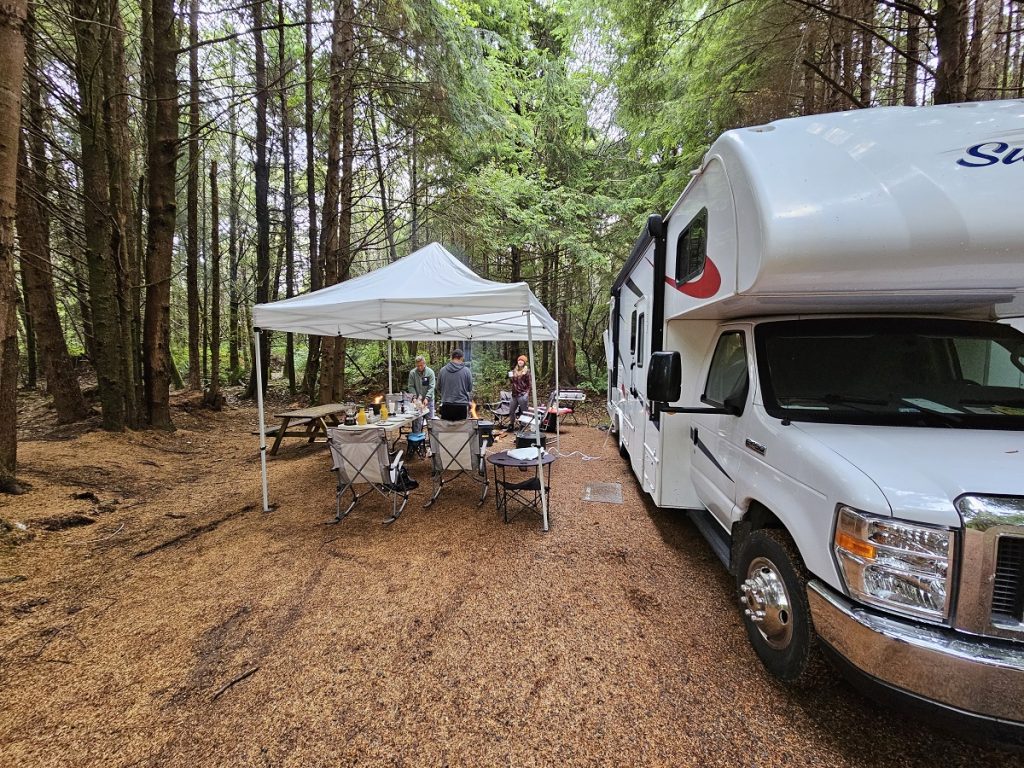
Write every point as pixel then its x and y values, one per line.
pixel 766 603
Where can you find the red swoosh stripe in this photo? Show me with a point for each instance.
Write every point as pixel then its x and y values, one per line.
pixel 703 288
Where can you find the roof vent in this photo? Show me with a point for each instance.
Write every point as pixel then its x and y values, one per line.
pixel 762 128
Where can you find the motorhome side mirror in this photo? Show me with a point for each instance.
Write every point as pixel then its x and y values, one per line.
pixel 664 377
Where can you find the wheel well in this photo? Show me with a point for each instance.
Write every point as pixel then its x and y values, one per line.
pixel 758 517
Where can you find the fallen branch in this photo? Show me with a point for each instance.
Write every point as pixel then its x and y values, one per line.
pixel 233 682
pixel 192 533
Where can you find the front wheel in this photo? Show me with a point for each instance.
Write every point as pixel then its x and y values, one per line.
pixel 772 584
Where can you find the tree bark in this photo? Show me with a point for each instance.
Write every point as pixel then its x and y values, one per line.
pixel 91 41
pixel 951 46
pixel 233 256
pixel 289 215
pixel 213 394
pixel 40 296
pixel 12 59
pixel 192 200
pixel 262 174
pixel 329 230
pixel 161 165
pixel 316 268
pixel 347 156
pixel 122 208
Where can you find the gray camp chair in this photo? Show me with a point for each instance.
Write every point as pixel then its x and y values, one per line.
pixel 502 409
pixel 456 449
pixel 361 456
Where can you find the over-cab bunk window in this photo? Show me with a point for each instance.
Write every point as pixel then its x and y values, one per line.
pixel 692 248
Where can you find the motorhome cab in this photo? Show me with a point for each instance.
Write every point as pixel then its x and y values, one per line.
pixel 806 354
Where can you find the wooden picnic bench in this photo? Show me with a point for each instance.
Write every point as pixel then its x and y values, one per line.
pixel 314 422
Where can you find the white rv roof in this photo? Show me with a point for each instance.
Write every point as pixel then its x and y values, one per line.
pixel 906 201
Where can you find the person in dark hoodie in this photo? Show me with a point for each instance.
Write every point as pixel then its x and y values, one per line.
pixel 454 384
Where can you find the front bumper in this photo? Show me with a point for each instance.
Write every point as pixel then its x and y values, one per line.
pixel 958 674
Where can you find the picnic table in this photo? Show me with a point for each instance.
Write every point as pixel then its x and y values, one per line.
pixel 314 421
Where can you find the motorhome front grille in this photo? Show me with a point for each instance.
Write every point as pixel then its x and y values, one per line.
pixel 1008 585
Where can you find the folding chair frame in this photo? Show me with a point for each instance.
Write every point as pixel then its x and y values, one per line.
pixel 386 490
pixel 478 475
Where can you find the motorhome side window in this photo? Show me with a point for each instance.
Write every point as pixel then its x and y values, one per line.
pixel 727 376
pixel 692 248
pixel 640 342
pixel 632 333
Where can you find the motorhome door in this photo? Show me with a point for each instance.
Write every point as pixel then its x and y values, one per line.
pixel 639 342
pixel 714 463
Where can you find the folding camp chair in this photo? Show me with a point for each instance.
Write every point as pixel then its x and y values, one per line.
pixel 362 456
pixel 502 409
pixel 575 396
pixel 456 448
pixel 547 415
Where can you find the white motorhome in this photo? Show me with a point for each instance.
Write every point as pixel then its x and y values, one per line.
pixel 805 354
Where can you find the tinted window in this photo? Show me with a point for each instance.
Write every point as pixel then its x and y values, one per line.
pixel 632 333
pixel 907 371
pixel 692 248
pixel 727 376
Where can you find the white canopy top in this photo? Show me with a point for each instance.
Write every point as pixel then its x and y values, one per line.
pixel 429 294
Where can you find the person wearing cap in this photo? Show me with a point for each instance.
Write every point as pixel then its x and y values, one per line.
pixel 519 378
pixel 454 385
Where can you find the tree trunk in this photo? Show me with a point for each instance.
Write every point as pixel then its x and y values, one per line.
pixel 40 296
pixel 31 374
pixel 316 267
pixel 347 156
pixel 289 216
pixel 122 207
pixel 329 230
pixel 385 206
pixel 974 66
pixel 950 41
pixel 913 48
pixel 262 178
pixel 12 57
pixel 233 256
pixel 192 200
pixel 162 118
pixel 91 38
pixel 213 394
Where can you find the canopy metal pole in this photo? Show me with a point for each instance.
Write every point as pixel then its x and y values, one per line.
pixel 263 427
pixel 536 423
pixel 558 402
pixel 391 388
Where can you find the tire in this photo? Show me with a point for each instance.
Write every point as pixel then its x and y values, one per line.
pixel 771 577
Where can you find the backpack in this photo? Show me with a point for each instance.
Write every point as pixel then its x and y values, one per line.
pixel 404 482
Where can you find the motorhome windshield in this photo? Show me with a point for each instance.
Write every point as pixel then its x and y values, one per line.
pixel 905 371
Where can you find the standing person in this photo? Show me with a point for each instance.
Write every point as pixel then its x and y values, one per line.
pixel 421 384
pixel 519 378
pixel 455 383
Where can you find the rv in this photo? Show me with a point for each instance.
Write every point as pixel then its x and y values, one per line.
pixel 806 355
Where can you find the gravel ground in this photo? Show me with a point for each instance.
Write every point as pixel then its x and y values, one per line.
pixel 448 638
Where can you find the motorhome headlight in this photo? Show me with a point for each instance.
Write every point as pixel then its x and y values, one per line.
pixel 900 566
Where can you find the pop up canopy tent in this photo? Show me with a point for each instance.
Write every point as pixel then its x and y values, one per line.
pixel 428 296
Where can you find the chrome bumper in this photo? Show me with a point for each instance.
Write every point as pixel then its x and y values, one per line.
pixel 976 676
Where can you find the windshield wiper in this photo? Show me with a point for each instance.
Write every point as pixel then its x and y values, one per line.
pixel 939 415
pixel 852 401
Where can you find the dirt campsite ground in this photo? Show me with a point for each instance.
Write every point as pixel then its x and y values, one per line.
pixel 152 615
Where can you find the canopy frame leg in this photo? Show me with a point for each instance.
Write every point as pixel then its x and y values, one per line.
pixel 536 423
pixel 263 425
